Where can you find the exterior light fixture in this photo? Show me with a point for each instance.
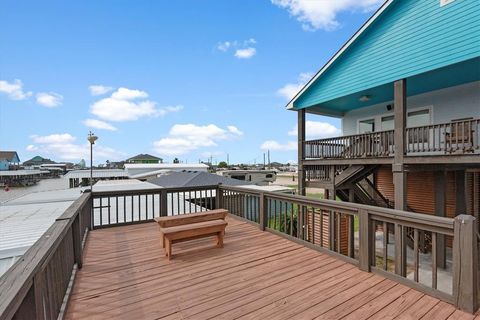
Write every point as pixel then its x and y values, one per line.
pixel 365 98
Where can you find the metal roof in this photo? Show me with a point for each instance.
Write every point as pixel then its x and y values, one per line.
pixel 97 173
pixel 194 179
pixel 21 172
pixel 123 185
pixel 24 219
pixel 173 166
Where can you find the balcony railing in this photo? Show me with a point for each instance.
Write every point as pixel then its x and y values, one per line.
pixel 367 145
pixel 452 138
pixel 37 286
pixel 459 137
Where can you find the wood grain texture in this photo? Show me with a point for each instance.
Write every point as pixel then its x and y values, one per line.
pixel 257 275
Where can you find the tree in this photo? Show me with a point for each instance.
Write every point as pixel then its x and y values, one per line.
pixel 176 160
pixel 222 164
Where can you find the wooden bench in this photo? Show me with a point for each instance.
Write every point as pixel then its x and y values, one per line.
pixel 192 226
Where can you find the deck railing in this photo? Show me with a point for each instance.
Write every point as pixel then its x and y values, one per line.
pixel 137 206
pixel 376 239
pixel 375 144
pixel 456 137
pixel 452 138
pixel 37 286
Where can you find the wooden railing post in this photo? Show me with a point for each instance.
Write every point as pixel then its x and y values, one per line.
pixel 163 203
pixel 400 250
pixel 465 263
pixel 263 207
pixel 77 241
pixel 365 237
pixel 219 198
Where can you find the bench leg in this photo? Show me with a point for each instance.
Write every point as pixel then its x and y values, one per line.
pixel 162 239
pixel 220 239
pixel 168 249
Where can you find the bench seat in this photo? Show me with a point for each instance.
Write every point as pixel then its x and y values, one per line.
pixel 192 226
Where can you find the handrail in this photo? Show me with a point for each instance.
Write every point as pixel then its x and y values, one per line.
pixel 373 144
pixel 325 225
pixel 330 226
pixel 24 282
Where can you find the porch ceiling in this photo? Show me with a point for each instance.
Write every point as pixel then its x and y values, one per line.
pixel 456 74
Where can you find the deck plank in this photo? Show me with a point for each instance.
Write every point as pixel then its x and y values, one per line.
pixel 257 275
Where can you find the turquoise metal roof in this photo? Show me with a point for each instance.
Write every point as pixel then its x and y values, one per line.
pixel 432 46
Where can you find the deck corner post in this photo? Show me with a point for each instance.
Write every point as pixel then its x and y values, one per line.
pixel 163 203
pixel 365 241
pixel 219 197
pixel 263 207
pixel 465 263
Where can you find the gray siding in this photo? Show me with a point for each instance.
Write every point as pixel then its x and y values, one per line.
pixel 451 103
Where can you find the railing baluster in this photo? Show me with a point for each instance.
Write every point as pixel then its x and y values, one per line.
pixel 385 245
pixel 434 260
pixel 415 255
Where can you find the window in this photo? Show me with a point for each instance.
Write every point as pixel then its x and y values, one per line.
pixel 366 126
pixel 387 123
pixel 418 118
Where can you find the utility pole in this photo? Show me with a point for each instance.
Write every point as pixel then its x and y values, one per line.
pixel 268 152
pixel 264 161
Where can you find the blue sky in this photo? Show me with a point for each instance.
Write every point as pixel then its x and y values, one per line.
pixel 185 79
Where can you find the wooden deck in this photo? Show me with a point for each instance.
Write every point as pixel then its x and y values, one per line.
pixel 257 275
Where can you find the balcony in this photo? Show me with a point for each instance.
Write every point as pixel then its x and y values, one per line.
pixel 285 256
pixel 445 139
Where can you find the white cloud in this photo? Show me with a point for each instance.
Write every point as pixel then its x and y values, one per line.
pixel 14 90
pixel 322 14
pixel 128 94
pixel 184 138
pixel 224 46
pixel 31 148
pixel 243 49
pixel 64 146
pixel 98 90
pixel 127 105
pixel 273 145
pixel 234 130
pixel 317 130
pixel 246 53
pixel 291 89
pixel 49 99
pixel 53 138
pixel 99 124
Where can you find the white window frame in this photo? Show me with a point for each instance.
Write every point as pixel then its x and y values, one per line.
pixel 378 118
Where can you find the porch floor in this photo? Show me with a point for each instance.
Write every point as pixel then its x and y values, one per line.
pixel 257 275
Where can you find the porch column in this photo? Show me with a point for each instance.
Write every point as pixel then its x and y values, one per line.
pixel 301 155
pixel 440 188
pixel 400 121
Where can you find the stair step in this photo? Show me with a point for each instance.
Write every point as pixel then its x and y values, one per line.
pixel 346 174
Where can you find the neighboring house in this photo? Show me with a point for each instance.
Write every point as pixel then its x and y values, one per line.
pixel 9 159
pixel 144 158
pixel 37 161
pixel 406 87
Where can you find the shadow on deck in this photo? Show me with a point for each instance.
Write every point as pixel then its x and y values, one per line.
pixel 257 275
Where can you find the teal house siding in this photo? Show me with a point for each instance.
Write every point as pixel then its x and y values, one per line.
pixel 409 38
